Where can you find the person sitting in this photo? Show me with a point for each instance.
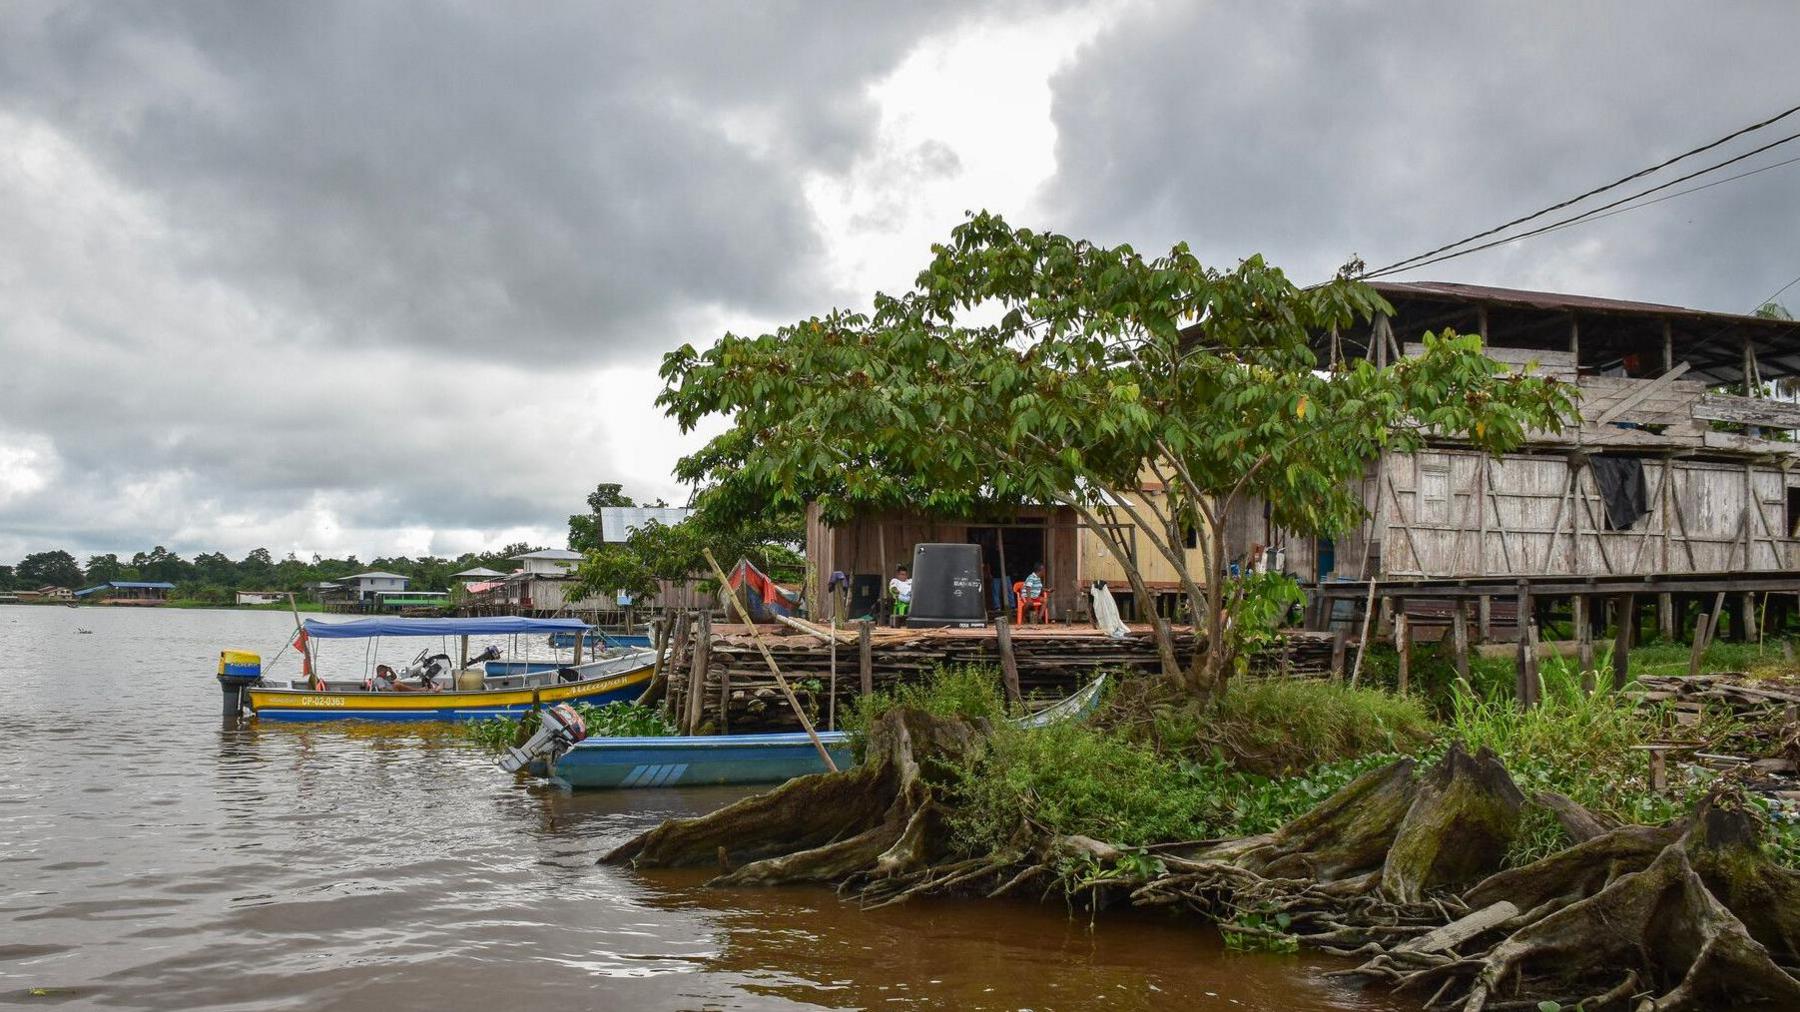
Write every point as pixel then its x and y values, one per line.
pixel 386 680
pixel 900 589
pixel 1034 596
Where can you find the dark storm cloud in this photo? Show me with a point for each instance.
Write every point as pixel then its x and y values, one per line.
pixel 482 179
pixel 1311 132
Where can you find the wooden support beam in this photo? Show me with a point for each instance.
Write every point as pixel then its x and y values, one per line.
pixel 1584 640
pixel 1009 665
pixel 1665 617
pixel 1525 662
pixel 693 713
pixel 865 655
pixel 1625 614
pixel 1403 645
pixel 1704 626
pixel 1338 639
pixel 1459 639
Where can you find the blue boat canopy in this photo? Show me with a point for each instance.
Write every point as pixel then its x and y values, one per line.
pixel 499 625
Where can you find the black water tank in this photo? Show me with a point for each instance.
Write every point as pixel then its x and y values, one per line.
pixel 947 587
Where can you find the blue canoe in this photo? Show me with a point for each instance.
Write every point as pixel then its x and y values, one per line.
pixel 696 760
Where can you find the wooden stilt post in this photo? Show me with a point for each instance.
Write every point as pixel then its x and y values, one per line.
pixel 695 710
pixel 1524 682
pixel 1403 644
pixel 1665 617
pixel 1338 638
pixel 1459 638
pixel 462 653
pixel 1704 625
pixel 1747 607
pixel 1626 610
pixel 1009 665
pixel 865 654
pixel 1584 642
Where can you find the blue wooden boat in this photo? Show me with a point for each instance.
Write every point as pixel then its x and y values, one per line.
pixel 598 640
pixel 696 760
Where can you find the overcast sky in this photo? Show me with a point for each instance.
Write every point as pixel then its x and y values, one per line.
pixel 393 278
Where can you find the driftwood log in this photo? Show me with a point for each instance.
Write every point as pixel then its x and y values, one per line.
pixel 1401 869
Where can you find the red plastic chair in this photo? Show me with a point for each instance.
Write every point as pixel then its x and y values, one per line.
pixel 1038 606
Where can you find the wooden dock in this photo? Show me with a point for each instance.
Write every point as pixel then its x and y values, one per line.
pixel 718 679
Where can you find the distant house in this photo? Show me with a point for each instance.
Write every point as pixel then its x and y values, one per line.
pixel 139 593
pixel 480 574
pixel 367 586
pixel 260 597
pixel 549 562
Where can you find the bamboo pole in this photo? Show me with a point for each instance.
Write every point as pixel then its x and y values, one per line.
pixel 313 681
pixel 769 659
pixel 1362 643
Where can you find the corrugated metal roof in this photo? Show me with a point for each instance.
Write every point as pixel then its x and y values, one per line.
pixel 477 571
pixel 617 522
pixel 378 575
pixel 1554 301
pixel 559 554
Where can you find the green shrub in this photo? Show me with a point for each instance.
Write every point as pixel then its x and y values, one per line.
pixel 1279 725
pixel 969 690
pixel 1577 745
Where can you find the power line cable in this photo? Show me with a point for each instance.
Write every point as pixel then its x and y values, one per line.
pixel 1683 193
pixel 1572 219
pixel 1593 192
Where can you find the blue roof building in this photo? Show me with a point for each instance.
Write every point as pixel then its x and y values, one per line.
pixel 138 592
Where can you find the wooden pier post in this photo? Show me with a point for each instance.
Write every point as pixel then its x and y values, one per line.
pixel 865 651
pixel 1009 665
pixel 1665 617
pixel 1626 610
pixel 695 709
pixel 1525 663
pixel 1581 609
pixel 1459 638
pixel 1403 644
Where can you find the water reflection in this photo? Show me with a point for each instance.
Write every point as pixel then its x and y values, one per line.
pixel 173 860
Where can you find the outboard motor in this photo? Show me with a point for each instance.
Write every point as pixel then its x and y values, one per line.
pixel 559 728
pixel 238 670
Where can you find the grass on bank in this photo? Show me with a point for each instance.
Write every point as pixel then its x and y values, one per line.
pixel 1148 770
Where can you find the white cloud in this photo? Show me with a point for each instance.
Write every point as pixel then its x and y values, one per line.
pixel 964 123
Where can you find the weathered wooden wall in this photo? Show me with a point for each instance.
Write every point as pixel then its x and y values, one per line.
pixel 1446 512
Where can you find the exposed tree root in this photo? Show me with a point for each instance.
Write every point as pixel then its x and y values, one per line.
pixel 1400 869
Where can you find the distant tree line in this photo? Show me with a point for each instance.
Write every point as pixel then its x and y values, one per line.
pixel 214 576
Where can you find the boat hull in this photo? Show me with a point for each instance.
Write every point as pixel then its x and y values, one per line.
pixel 696 760
pixel 306 704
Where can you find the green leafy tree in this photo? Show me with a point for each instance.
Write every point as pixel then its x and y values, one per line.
pixel 104 569
pixel 721 521
pixel 1027 366
pixel 44 568
pixel 161 564
pixel 8 579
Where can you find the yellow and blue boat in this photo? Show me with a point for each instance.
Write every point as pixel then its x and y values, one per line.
pixel 433 687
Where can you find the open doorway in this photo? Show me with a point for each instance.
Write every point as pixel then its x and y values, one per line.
pixel 1007 556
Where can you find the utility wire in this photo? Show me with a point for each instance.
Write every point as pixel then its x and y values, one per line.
pixel 1593 192
pixel 1572 219
pixel 1683 193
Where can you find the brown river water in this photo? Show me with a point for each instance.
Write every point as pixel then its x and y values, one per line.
pixel 153 856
